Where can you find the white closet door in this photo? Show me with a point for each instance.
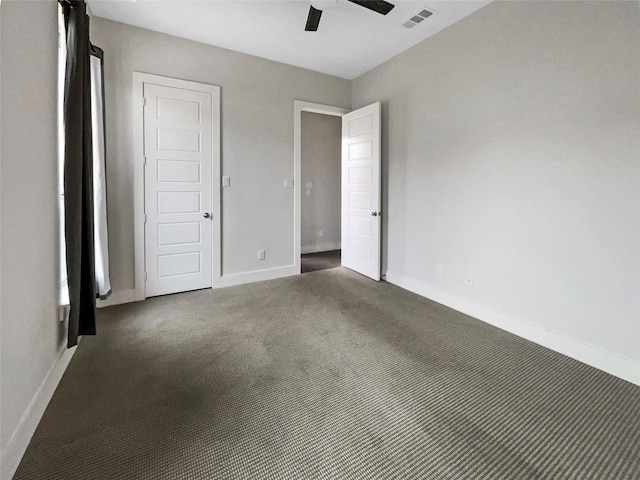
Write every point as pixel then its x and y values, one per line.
pixel 178 189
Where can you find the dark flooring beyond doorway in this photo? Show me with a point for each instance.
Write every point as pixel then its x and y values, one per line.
pixel 312 262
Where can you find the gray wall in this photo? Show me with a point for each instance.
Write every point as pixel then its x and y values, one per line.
pixel 321 137
pixel 257 139
pixel 511 152
pixel 31 337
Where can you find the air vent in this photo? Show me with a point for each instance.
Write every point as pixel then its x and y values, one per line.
pixel 416 19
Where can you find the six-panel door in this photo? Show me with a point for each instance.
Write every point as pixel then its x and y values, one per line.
pixel 178 191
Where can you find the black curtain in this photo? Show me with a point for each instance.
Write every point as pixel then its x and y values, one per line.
pixel 78 174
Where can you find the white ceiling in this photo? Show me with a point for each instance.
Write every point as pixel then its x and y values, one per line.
pixel 350 39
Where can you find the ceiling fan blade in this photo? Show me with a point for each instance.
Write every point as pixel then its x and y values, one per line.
pixel 379 6
pixel 313 19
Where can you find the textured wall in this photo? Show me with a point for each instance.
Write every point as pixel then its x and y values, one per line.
pixel 511 152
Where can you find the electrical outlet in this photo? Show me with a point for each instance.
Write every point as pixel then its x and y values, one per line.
pixel 468 281
pixel 288 183
pixel 262 254
pixel 321 233
pixel 440 271
pixel 308 192
pixel 309 184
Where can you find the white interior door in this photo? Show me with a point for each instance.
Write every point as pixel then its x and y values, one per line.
pixel 178 150
pixel 361 190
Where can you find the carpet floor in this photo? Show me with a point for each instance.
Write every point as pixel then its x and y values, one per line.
pixel 327 375
pixel 312 262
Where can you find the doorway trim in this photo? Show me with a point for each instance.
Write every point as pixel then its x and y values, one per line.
pixel 139 79
pixel 299 107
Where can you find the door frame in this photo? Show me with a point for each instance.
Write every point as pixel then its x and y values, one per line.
pixel 299 107
pixel 139 79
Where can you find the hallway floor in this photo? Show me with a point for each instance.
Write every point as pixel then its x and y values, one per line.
pixel 312 262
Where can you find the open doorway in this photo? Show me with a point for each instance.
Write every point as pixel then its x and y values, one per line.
pixel 320 168
pixel 360 144
pixel 317 170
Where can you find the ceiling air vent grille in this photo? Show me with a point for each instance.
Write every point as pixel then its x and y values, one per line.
pixel 416 19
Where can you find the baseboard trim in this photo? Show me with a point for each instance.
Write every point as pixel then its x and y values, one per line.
pixel 118 298
pixel 20 439
pixel 254 276
pixel 321 247
pixel 128 296
pixel 601 359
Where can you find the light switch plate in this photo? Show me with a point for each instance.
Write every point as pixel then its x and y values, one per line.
pixel 288 183
pixel 226 181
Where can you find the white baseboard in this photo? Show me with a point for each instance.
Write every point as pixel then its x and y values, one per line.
pixel 20 439
pixel 321 247
pixel 255 276
pixel 128 296
pixel 601 359
pixel 117 298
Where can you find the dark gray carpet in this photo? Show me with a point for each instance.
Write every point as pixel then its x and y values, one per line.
pixel 326 376
pixel 312 262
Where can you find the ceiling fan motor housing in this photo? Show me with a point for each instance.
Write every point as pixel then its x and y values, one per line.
pixel 322 4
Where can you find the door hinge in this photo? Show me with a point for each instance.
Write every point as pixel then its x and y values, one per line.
pixel 145 218
pixel 144 101
pixel 145 160
pixel 145 276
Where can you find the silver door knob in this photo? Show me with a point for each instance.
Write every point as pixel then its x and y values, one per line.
pixel 207 215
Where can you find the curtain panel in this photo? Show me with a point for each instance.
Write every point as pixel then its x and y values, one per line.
pixel 101 237
pixel 78 174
